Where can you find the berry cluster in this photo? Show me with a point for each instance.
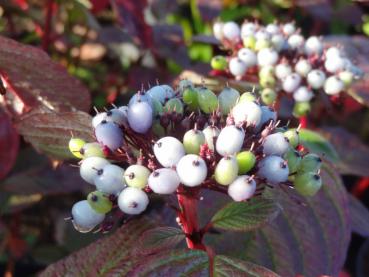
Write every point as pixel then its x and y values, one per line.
pixel 179 142
pixel 283 61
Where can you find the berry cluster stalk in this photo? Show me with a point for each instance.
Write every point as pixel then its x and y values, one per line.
pixel 188 201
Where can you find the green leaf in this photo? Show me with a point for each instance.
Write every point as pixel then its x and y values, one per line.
pixel 160 238
pixel 246 216
pixel 318 144
pixel 226 266
pixel 310 236
pixel 359 217
pixel 50 132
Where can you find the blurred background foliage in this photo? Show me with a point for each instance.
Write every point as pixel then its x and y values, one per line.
pixel 114 47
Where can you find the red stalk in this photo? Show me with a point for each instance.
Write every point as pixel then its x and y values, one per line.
pixel 188 200
pixel 303 122
pixel 47 27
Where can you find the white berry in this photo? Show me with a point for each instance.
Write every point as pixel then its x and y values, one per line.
pixel 303 94
pixel 192 170
pixel 291 82
pixel 111 180
pixel 164 181
pixel 168 151
pixel 84 217
pixel 132 201
pixel 274 169
pixel 230 140
pixel 316 78
pixel 242 188
pixel 275 144
pixel 90 167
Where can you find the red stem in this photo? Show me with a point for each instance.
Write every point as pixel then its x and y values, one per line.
pixel 187 200
pixel 303 122
pixel 360 187
pixel 47 27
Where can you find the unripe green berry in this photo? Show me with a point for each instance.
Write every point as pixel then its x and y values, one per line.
pixel 136 176
pixel 92 149
pixel 99 202
pixel 247 97
pixel 192 141
pixel 310 163
pixel 246 161
pixel 267 81
pixel 208 101
pixel 307 184
pixel 190 98
pixel 157 107
pixel 301 108
pixel 261 44
pixel 249 42
pixel 158 129
pixel 293 159
pixel 266 71
pixel 219 63
pixel 174 105
pixel 293 137
pixel 226 171
pixel 346 77
pixel 75 146
pixel 268 96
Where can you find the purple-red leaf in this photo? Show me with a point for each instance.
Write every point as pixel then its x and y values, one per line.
pixel 359 216
pixel 29 73
pixel 50 132
pixel 9 144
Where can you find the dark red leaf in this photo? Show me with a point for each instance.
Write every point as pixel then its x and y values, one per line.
pixel 29 73
pixel 99 5
pixel 131 16
pixel 9 144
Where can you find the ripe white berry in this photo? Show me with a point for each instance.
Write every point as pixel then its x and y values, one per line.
pixel 231 30
pixel 303 67
pixel 291 82
pixel 211 133
pixel 247 56
pixel 218 30
pixel 230 140
pixel 98 118
pixel 296 41
pixel 227 98
pixel 111 179
pixel 272 28
pixel 303 94
pixel 313 45
pixel 316 78
pixel 117 116
pixel 248 112
pixel 332 53
pixel 275 144
pixel 242 188
pixel 161 93
pixel 168 151
pixel 164 181
pixel 237 67
pixel 262 35
pixel 267 56
pixel 140 117
pixel 334 65
pixel 333 85
pixel 274 169
pixel 84 217
pixel 278 42
pixel 282 70
pixel 192 170
pixel 289 28
pixel 267 115
pixel 90 168
pixel 109 134
pixel 140 97
pixel 248 29
pixel 132 200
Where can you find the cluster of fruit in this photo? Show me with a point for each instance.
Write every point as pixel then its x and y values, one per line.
pixel 168 142
pixel 283 61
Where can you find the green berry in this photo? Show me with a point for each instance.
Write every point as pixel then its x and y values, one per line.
pixel 190 98
pixel 310 163
pixel 307 184
pixel 174 105
pixel 346 77
pixel 99 202
pixel 92 149
pixel 208 101
pixel 219 63
pixel 293 137
pixel 158 129
pixel 293 159
pixel 157 107
pixel 136 176
pixel 268 96
pixel 266 71
pixel 249 42
pixel 227 99
pixel 192 141
pixel 246 161
pixel 75 146
pixel 301 108
pixel 247 97
pixel 261 44
pixel 226 171
pixel 267 81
